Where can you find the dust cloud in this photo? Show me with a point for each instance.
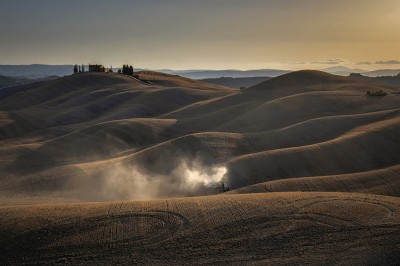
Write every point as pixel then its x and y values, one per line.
pixel 188 178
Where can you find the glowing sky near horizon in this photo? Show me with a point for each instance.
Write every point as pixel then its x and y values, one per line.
pixel 219 34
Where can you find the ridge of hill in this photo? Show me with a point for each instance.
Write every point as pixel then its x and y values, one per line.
pixel 237 83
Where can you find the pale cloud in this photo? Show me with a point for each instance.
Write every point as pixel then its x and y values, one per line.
pixel 329 62
pixel 388 62
pixel 322 62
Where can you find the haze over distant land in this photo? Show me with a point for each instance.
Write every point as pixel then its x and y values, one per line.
pixel 43 71
pixel 225 34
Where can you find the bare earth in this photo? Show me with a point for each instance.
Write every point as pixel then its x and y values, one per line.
pixel 109 169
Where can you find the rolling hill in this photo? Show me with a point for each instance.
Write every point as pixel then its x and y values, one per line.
pixel 99 167
pixel 237 83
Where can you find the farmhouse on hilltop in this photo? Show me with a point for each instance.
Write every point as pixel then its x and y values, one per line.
pixel 96 68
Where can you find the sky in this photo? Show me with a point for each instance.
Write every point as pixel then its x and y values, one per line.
pixel 202 34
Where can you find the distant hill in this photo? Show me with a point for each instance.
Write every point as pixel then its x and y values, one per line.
pixel 41 71
pixel 343 71
pixel 236 83
pixel 36 70
pixel 382 72
pixel 15 81
pixel 204 74
pixel 12 81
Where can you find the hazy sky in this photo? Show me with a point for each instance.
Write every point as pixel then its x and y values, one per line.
pixel 202 34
